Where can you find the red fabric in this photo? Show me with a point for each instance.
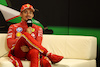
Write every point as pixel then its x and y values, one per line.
pixel 44 62
pixel 25 6
pixel 19 28
pixel 28 40
pixel 17 37
pixel 55 58
pixel 16 61
pixel 34 56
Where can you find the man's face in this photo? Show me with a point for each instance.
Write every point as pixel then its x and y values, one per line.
pixel 27 14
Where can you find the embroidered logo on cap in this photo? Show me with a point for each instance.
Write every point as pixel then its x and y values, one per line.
pixel 28 5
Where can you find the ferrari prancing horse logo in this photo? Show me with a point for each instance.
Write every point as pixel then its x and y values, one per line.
pixel 33 29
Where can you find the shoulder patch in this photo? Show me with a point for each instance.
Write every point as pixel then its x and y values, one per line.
pixel 19 29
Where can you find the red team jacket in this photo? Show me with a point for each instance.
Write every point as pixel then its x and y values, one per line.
pixel 15 31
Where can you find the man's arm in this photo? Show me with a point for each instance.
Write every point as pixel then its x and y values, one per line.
pixel 39 35
pixel 38 38
pixel 11 37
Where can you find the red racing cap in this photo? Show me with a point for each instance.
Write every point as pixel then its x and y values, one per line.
pixel 25 6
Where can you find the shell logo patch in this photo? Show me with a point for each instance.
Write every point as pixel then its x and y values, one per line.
pixel 33 29
pixel 18 34
pixel 19 29
pixel 28 5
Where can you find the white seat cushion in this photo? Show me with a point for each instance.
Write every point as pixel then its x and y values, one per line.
pixel 76 63
pixel 4 62
pixel 72 47
pixel 3 44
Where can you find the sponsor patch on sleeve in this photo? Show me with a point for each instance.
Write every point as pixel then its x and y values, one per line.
pixel 18 34
pixel 19 29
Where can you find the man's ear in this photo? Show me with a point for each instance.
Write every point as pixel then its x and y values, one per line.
pixel 20 14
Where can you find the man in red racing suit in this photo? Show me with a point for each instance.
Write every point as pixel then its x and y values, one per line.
pixel 25 42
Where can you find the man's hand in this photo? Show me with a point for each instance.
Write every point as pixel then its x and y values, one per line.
pixel 29 30
pixel 24 48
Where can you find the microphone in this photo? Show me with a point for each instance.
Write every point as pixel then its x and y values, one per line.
pixel 29 23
